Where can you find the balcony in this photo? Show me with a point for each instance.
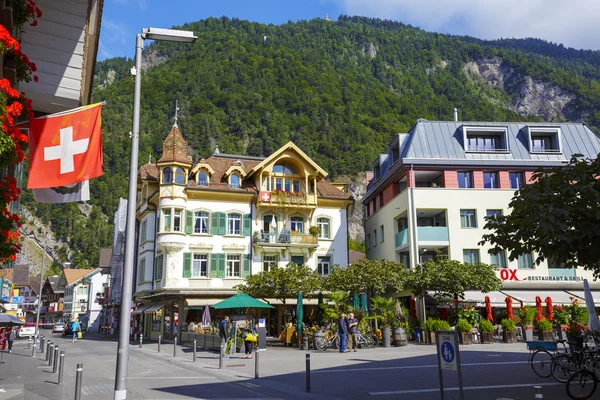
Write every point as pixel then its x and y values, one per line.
pixel 285 239
pixel 287 199
pixel 401 238
pixel 432 233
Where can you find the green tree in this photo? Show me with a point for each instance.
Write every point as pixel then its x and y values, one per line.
pixel 556 216
pixel 443 278
pixel 373 277
pixel 282 283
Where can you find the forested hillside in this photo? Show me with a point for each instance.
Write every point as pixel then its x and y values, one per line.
pixel 338 89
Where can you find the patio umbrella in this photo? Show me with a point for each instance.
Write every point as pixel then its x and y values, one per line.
pixel 593 323
pixel 355 302
pixel 509 309
pixel 206 317
pixel 363 303
pixel 319 309
pixel 299 314
pixel 413 308
pixel 241 300
pixel 8 320
pixel 549 308
pixel 538 305
pixel 488 309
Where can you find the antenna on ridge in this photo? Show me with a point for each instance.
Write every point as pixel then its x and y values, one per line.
pixel 176 110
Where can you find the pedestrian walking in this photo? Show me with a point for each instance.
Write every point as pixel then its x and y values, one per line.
pixel 249 334
pixel 342 332
pixel 11 339
pixel 224 332
pixel 353 332
pixel 76 328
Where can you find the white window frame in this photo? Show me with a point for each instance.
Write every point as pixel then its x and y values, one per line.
pixel 142 270
pixel 230 265
pixel 235 185
pixel 530 260
pixel 197 257
pixel 144 231
pixel 201 182
pixel 521 179
pixel 321 223
pixel 475 252
pixel 470 217
pixel 172 213
pixel 471 179
pixel 231 224
pixel 297 222
pixel 381 234
pixel 482 132
pixel 533 132
pixel 495 181
pixel 269 261
pixel 198 217
pixel 323 263
pixel 500 257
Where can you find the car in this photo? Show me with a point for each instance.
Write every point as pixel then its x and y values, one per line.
pixel 58 327
pixel 28 329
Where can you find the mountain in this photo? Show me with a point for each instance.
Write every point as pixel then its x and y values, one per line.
pixel 339 89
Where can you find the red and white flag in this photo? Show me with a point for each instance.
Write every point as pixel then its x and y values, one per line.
pixel 66 148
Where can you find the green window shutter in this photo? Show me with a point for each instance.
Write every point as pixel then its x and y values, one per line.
pixel 187 265
pixel 214 265
pixel 247 265
pixel 247 225
pixel 221 271
pixel 214 223
pixel 189 222
pixel 222 223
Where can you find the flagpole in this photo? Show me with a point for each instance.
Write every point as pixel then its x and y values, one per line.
pixel 125 315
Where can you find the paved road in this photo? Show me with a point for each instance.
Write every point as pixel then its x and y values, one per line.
pixel 493 372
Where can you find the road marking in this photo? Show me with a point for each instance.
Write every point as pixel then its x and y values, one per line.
pixel 169 377
pixel 454 389
pixel 327 371
pixel 248 384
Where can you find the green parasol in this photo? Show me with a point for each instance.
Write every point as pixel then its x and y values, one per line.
pixel 241 300
pixel 355 302
pixel 299 314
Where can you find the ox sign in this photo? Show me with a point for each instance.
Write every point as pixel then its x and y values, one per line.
pixel 507 274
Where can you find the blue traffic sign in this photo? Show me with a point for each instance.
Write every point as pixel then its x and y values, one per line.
pixel 447 351
pixel 16 299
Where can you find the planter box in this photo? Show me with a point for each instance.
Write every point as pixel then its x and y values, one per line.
pixel 487 337
pixel 546 336
pixel 465 338
pixel 528 333
pixel 399 337
pixel 509 337
pixel 431 336
pixel 386 336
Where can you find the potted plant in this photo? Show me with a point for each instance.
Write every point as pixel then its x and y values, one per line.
pixel 434 325
pixel 561 321
pixel 487 331
pixel 314 230
pixel 383 312
pixel 544 328
pixel 464 328
pixel 526 314
pixel 509 333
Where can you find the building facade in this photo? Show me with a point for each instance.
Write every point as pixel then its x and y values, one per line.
pixel 437 182
pixel 75 292
pixel 204 227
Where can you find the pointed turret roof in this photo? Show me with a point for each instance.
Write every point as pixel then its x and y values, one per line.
pixel 175 148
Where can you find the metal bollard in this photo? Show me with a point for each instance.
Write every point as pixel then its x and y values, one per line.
pixel 29 343
pixel 48 349
pixel 55 361
pixel 33 350
pixel 221 355
pixel 306 342
pixel 42 345
pixel 159 339
pixel 141 341
pixel 539 394
pixel 175 347
pixel 78 379
pixel 61 366
pixel 51 354
pixel 307 373
pixel 194 360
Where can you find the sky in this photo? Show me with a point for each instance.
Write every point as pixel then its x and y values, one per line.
pixel 572 23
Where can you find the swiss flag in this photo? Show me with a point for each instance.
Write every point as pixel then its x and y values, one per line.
pixel 66 148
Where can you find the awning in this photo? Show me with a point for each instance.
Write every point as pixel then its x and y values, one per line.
pixel 202 302
pixel 154 308
pixel 141 308
pixel 581 296
pixel 475 296
pixel 528 297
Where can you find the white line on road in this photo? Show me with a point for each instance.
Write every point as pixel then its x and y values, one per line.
pixel 169 377
pixel 455 389
pixel 327 371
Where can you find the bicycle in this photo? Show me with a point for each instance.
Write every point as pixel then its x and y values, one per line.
pixel 583 384
pixel 565 365
pixel 540 357
pixel 331 339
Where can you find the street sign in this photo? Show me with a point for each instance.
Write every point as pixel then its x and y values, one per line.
pixel 447 352
pixel 262 335
pixel 16 299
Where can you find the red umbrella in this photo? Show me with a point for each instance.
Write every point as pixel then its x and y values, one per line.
pixel 488 309
pixel 509 309
pixel 538 305
pixel 549 308
pixel 413 308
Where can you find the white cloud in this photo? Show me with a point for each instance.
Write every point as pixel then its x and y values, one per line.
pixel 572 23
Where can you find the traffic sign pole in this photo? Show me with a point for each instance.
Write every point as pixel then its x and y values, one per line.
pixel 460 381
pixel 439 358
pixel 448 358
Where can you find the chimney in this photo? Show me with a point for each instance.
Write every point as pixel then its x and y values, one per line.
pixel 455 114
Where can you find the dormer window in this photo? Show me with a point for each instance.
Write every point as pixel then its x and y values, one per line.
pixel 483 139
pixel 544 140
pixel 180 176
pixel 234 181
pixel 167 175
pixel 202 178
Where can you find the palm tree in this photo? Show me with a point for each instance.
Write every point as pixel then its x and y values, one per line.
pixel 384 309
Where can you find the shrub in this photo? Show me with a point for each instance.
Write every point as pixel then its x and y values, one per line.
pixel 544 325
pixel 508 325
pixel 486 326
pixel 441 325
pixel 463 326
pixel 526 314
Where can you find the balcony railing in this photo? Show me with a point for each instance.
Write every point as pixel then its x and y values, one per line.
pixel 287 238
pixel 287 198
pixel 401 238
pixel 432 233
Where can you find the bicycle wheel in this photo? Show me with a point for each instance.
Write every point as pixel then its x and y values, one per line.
pixel 336 343
pixel 375 340
pixel 563 367
pixel 581 385
pixel 541 363
pixel 321 344
pixel 368 342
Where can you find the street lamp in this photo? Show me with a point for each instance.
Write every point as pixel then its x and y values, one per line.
pixel 123 346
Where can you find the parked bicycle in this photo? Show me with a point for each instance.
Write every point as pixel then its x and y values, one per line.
pixel 582 384
pixel 541 355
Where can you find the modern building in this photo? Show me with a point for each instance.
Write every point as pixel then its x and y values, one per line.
pixel 205 226
pixel 432 189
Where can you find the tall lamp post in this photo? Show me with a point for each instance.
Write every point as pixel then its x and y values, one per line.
pixel 168 35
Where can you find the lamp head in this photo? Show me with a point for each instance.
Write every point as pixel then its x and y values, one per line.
pixel 169 35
